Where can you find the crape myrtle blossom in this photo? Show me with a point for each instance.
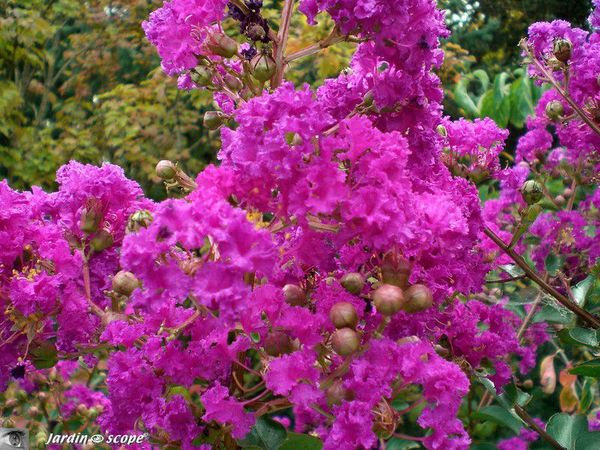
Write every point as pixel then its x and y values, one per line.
pixel 324 268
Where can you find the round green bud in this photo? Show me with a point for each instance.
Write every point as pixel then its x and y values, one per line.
pixel 278 343
pixel 102 240
pixel 166 170
pixel 91 216
pixel 343 315
pixel 263 67
pixel 202 76
pixel 213 119
pixel 222 45
pixel 294 295
pixel 125 283
pixel 531 191
pixel 554 110
pixel 353 282
pixel 345 341
pixel 388 299
pixel 562 49
pixel 233 83
pixel 417 298
pixel 441 130
pixel 142 218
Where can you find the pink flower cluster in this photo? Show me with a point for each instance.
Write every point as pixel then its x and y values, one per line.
pixel 218 308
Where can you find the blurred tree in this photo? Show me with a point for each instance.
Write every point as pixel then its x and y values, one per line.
pixel 491 29
pixel 78 80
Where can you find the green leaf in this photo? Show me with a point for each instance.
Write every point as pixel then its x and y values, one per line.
pixel 553 263
pixel 589 368
pixel 521 102
pixel 550 313
pixel 582 288
pixel 296 441
pixel 566 429
pixel 399 444
pixel 587 396
pixel 266 434
pixel 43 355
pixel 515 396
pixel 512 269
pixel 499 415
pixel 464 100
pixel 579 336
pixel 587 441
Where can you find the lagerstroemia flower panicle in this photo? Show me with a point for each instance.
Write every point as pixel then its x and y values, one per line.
pixel 324 268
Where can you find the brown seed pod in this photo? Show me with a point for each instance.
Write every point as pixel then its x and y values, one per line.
pixel 345 341
pixel 388 299
pixel 417 298
pixel 343 315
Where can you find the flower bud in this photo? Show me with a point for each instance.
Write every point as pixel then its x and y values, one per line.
pixel 562 49
pixel 93 413
pixel 294 295
pixel 368 99
pixel 337 393
pixel 34 411
pixel 263 67
pixel 560 200
pixel 256 32
pixel 353 282
pixel 102 240
pixel 91 216
pixel 345 341
pixel 82 410
pixel 395 271
pixel 166 170
pixel 388 299
pixel 222 45
pixel 554 110
pixel 418 297
pixel 441 130
pixel 125 283
pixel 213 119
pixel 142 218
pixel 278 343
pixel 343 315
pixel 531 191
pixel 233 83
pixel 201 76
pixel 11 403
pixel 528 384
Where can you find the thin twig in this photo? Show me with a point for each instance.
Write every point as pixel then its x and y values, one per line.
pixel 535 277
pixel 282 36
pixel 535 427
pixel 550 77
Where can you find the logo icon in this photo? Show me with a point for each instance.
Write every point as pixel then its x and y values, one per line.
pixel 14 438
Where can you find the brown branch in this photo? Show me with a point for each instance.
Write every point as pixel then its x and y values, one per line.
pixel 535 427
pixel 282 36
pixel 590 319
